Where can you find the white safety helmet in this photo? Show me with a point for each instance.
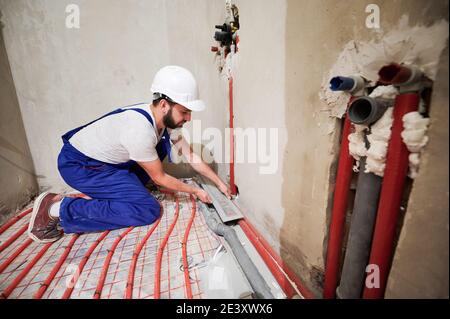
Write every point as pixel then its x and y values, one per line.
pixel 179 85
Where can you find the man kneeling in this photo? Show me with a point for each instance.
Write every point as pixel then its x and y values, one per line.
pixel 112 158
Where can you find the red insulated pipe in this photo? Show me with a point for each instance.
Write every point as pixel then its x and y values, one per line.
pixel 130 281
pixel 187 279
pixel 394 73
pixel 230 91
pixel 56 268
pixel 274 262
pixel 16 253
pixel 157 288
pixel 7 292
pixel 102 278
pixel 340 203
pixel 13 238
pixel 14 220
pixel 391 195
pixel 88 254
pixel 270 262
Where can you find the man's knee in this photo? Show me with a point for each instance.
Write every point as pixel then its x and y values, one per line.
pixel 149 210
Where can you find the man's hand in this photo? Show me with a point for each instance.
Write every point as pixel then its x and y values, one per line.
pixel 201 167
pixel 224 189
pixel 202 195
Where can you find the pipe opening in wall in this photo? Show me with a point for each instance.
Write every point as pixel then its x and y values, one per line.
pixel 366 110
pixel 394 73
pixel 340 83
pixel 360 111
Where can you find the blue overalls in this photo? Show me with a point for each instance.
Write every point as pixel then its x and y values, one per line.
pixel 119 198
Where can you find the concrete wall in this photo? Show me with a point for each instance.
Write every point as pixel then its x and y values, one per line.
pixel 66 77
pixel 17 178
pixel 279 74
pixel 420 267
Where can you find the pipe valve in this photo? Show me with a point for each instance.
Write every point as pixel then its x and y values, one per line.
pixel 224 36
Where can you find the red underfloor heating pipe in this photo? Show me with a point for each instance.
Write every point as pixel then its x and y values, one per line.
pixel 102 278
pixel 14 220
pixel 284 275
pixel 56 268
pixel 5 294
pixel 130 281
pixel 14 255
pixel 391 195
pixel 157 288
pixel 187 279
pixel 83 262
pixel 340 203
pixel 13 238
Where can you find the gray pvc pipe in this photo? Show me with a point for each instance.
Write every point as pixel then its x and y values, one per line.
pixel 366 110
pixel 257 282
pixel 360 236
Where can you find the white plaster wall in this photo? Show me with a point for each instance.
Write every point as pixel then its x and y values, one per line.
pixel 190 30
pixel 67 77
pixel 259 100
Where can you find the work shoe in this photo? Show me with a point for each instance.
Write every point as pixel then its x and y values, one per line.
pixel 44 228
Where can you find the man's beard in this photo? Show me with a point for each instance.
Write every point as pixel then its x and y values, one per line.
pixel 169 122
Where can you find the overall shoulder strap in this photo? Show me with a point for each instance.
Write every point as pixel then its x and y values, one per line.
pixel 149 118
pixel 165 139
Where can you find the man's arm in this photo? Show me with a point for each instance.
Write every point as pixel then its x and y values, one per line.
pixel 200 166
pixel 155 170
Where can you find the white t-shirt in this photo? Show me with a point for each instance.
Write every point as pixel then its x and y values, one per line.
pixel 120 137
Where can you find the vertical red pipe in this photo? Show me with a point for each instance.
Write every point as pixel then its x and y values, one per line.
pixel 187 279
pixel 56 268
pixel 73 281
pixel 391 195
pixel 230 92
pixel 130 281
pixel 340 202
pixel 157 283
pixel 102 278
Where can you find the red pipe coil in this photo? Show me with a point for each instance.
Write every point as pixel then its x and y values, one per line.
pixel 230 91
pixel 391 195
pixel 56 268
pixel 15 219
pixel 187 279
pixel 275 263
pixel 157 289
pixel 340 203
pixel 5 294
pixel 88 254
pixel 101 280
pixel 130 281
